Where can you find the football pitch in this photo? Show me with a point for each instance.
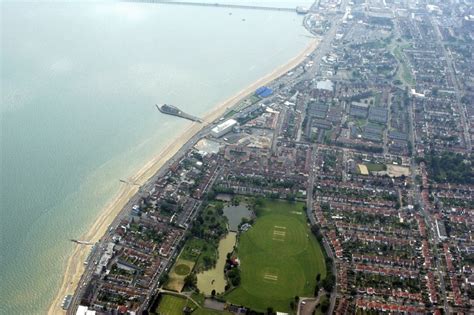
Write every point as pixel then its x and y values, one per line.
pixel 280 259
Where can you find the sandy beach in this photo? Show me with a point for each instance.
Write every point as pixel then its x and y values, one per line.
pixel 74 267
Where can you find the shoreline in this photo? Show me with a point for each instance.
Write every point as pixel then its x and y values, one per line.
pixel 74 266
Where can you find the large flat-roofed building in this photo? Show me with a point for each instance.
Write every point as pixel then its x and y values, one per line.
pixel 223 128
pixel 84 310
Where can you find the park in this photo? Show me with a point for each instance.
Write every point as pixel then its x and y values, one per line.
pixel 280 259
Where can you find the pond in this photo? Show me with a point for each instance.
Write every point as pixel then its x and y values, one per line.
pixel 235 214
pixel 214 279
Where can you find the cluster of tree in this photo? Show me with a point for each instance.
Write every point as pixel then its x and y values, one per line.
pixel 167 207
pixel 324 306
pixel 294 303
pixel 220 190
pixel 209 225
pixel 232 271
pixel 234 276
pixel 361 147
pixel 317 232
pixel 450 167
pixel 329 282
pixel 190 281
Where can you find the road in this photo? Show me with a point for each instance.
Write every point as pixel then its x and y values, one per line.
pixel 306 306
pixel 433 241
pixel 453 78
pixel 323 48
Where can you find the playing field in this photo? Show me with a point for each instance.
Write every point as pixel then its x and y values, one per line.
pixel 173 305
pixel 280 259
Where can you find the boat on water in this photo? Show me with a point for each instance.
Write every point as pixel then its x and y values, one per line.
pixel 175 111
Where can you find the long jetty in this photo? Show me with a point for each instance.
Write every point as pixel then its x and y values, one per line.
pixel 217 5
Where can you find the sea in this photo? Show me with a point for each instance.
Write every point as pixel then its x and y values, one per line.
pixel 79 83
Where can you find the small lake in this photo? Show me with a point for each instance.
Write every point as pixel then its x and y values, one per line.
pixel 235 214
pixel 214 279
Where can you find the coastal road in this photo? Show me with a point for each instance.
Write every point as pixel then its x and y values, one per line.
pixel 325 44
pixel 88 274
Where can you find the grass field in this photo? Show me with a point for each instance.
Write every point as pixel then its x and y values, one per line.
pixel 173 305
pixel 376 167
pixel 178 273
pixel 280 259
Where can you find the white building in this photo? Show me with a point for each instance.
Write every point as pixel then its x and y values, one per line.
pixel 83 310
pixel 223 128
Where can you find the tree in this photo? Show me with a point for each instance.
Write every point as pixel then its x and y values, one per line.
pixel 329 282
pixel 325 306
pixel 190 280
pixel 318 277
pixel 316 289
pixel 220 209
pixel 164 278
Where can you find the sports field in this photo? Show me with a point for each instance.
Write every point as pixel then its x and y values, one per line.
pixel 280 259
pixel 173 305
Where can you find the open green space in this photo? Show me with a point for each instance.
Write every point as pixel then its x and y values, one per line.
pixel 280 259
pixel 182 269
pixel 405 72
pixel 376 167
pixel 174 305
pixel 178 273
pixel 210 226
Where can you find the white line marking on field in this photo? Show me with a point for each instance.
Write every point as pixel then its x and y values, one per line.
pixel 271 277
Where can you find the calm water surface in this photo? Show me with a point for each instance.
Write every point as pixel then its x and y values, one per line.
pixel 78 86
pixel 235 214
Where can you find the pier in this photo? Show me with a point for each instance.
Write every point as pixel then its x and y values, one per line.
pixel 218 5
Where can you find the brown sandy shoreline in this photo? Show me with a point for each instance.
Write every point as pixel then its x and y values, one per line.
pixel 74 266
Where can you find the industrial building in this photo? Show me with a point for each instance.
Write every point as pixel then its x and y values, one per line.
pixel 223 128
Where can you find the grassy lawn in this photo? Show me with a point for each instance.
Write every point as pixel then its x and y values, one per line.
pixel 207 311
pixel 404 73
pixel 173 305
pixel 280 259
pixel 375 167
pixel 178 273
